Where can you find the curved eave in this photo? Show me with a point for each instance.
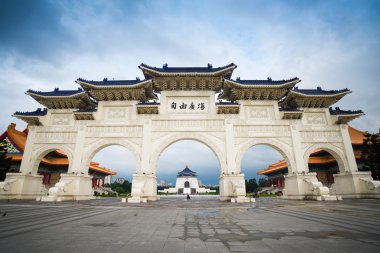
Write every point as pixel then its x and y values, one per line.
pixel 96 90
pixel 148 72
pixel 312 100
pixel 261 86
pixel 77 100
pixel 345 118
pixel 17 138
pixel 338 95
pixel 86 85
pixel 29 119
pixel 231 90
pixel 38 96
pixel 102 170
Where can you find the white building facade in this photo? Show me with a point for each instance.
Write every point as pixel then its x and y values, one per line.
pixel 293 121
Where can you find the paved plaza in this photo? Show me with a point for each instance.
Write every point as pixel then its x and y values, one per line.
pixel 202 224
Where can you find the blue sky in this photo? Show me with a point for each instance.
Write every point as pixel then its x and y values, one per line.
pixel 334 44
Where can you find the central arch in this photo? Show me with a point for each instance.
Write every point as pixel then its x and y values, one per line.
pixel 202 138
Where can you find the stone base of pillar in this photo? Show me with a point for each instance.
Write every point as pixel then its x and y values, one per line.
pixel 22 186
pixel 144 188
pixel 232 187
pixel 305 186
pixel 358 184
pixel 71 187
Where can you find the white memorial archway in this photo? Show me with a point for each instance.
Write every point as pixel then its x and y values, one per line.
pixel 248 112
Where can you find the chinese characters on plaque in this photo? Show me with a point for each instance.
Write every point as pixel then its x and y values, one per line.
pixel 188 106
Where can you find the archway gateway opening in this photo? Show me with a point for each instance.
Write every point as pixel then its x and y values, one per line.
pixel 325 165
pixel 188 167
pixel 51 166
pixel 113 171
pixel 264 168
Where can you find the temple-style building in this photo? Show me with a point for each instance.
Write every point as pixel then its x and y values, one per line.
pixel 179 103
pixel 187 183
pixel 52 165
pixel 320 161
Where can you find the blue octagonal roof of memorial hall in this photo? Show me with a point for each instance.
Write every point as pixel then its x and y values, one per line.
pixel 187 173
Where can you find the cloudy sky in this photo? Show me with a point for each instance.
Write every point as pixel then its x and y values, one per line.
pixel 333 44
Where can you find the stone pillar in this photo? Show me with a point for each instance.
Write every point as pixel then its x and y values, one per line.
pixel 348 150
pixel 352 183
pixel 27 163
pixel 77 165
pixel 300 183
pixel 230 149
pixel 144 182
pixel 26 184
pixel 296 148
pixel 231 182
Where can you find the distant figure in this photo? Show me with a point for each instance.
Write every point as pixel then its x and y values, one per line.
pixel 188 197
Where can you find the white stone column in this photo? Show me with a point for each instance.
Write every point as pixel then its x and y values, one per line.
pixel 146 149
pixel 231 182
pixel 297 151
pixel 348 150
pixel 76 165
pixel 230 149
pixel 27 163
pixel 144 182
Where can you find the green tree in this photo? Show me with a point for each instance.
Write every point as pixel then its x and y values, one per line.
pixel 251 185
pixel 263 182
pixel 371 154
pixel 5 162
pixel 125 187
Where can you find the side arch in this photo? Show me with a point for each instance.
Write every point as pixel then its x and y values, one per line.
pixel 42 151
pixel 202 138
pixel 336 152
pixel 271 142
pixel 94 148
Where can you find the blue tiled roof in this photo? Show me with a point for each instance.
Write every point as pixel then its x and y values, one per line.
pixel 112 82
pixel 269 81
pixel 318 91
pixel 220 102
pixel 87 110
pixel 338 111
pixel 283 109
pixel 149 103
pixel 167 69
pixel 57 92
pixel 186 172
pixel 38 112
